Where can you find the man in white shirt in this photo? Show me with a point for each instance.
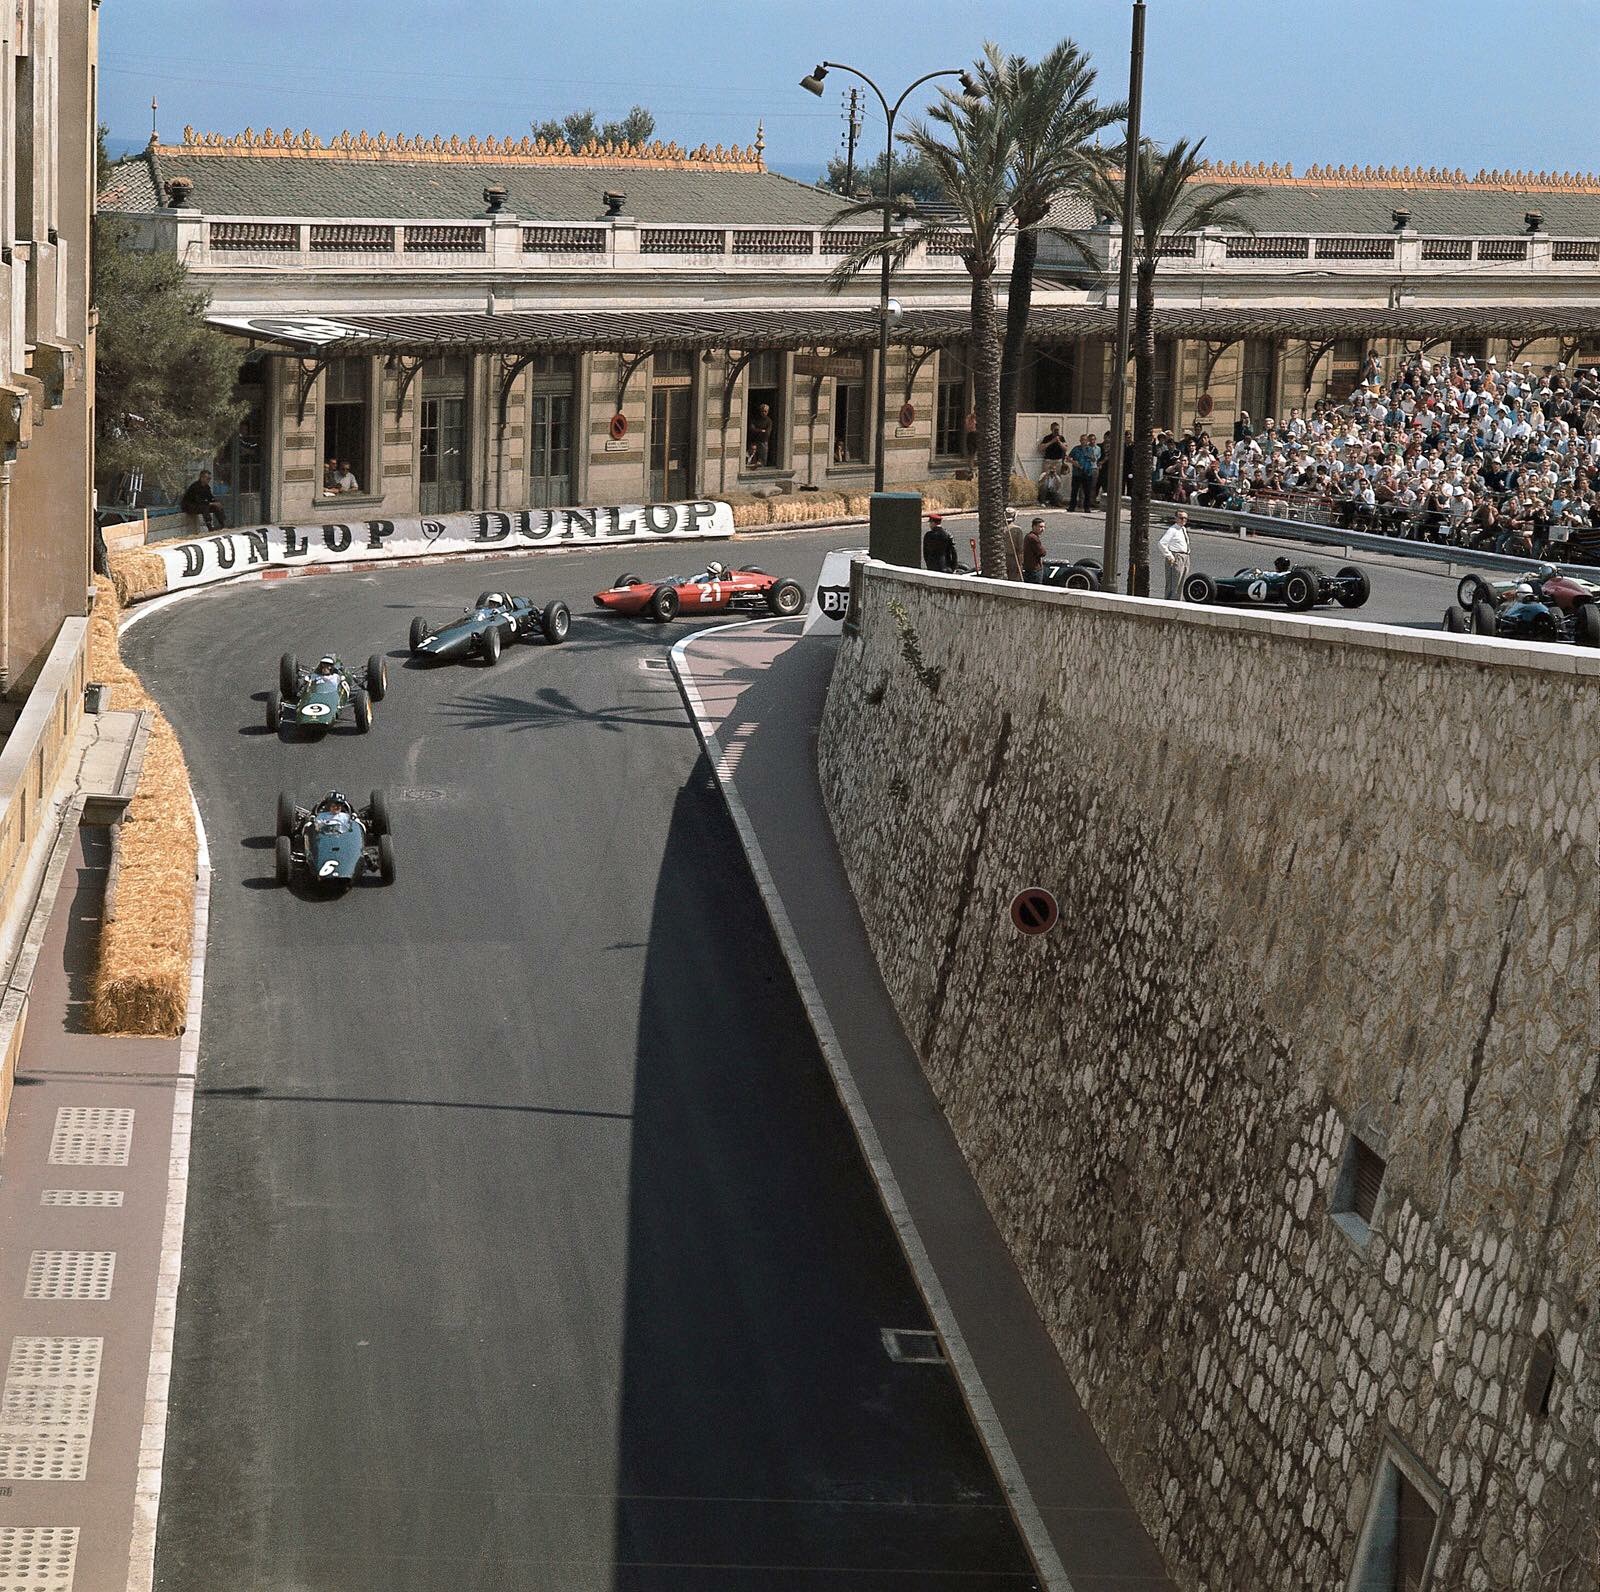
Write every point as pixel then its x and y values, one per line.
pixel 1174 548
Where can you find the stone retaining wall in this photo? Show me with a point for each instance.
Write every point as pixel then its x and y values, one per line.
pixel 1318 882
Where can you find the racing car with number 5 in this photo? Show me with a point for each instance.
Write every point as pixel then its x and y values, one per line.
pixel 313 699
pixel 715 590
pixel 492 623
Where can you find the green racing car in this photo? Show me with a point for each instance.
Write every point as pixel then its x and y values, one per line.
pixel 314 699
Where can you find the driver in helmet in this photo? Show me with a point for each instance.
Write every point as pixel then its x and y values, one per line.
pixel 717 571
pixel 328 666
pixel 336 802
pixel 1523 592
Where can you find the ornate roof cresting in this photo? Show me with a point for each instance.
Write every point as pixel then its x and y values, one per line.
pixel 1429 177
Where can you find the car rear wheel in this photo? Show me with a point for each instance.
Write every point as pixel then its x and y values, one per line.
pixel 285 813
pixel 378 811
pixel 491 646
pixel 1485 621
pixel 751 569
pixel 1199 588
pixel 419 632
pixel 1470 589
pixel 556 622
pixel 377 678
pixel 361 707
pixel 282 859
pixel 288 675
pixel 785 598
pixel 386 859
pixel 1076 578
pixel 1586 625
pixel 1354 587
pixel 274 714
pixel 1299 589
pixel 664 604
pixel 1456 620
pixel 624 580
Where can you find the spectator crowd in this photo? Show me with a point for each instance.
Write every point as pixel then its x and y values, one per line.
pixel 1496 460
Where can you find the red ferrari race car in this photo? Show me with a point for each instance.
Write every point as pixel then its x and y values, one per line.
pixel 715 590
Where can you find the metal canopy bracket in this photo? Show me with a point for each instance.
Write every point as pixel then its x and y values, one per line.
pixel 309 369
pixel 918 355
pixel 1214 353
pixel 627 367
pixel 512 366
pixel 408 366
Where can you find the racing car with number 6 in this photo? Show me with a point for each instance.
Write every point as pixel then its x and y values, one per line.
pixel 334 842
pixel 715 590
pixel 1292 586
pixel 313 699
pixel 489 626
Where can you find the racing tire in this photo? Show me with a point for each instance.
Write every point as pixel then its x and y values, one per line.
pixel 1076 578
pixel 751 569
pixel 377 678
pixel 386 859
pixel 1469 589
pixel 361 707
pixel 785 598
pixel 556 622
pixel 419 631
pixel 1485 621
pixel 1457 621
pixel 664 605
pixel 1199 588
pixel 274 715
pixel 282 859
pixel 1361 587
pixel 378 811
pixel 1299 589
pixel 1093 564
pixel 625 580
pixel 1586 625
pixel 286 814
pixel 288 676
pixel 491 646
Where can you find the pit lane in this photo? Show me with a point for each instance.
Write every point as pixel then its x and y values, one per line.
pixel 527 1243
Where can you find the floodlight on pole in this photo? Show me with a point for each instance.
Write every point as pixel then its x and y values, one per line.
pixel 812 81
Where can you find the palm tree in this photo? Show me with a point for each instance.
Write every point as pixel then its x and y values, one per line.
pixel 1056 120
pixel 1167 201
pixel 973 161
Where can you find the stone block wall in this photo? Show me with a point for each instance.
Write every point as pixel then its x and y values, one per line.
pixel 1319 882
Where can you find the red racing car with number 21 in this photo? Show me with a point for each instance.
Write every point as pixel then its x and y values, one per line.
pixel 715 590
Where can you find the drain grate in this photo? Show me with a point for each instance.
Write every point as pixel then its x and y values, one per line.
pixel 655 665
pixel 913 1346
pixel 38 1558
pixel 47 1410
pixel 97 1199
pixel 70 1274
pixel 92 1136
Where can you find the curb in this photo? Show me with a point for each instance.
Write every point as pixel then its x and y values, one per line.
pixel 1052 1573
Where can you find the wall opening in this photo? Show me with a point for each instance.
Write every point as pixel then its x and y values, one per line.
pixel 1541 1377
pixel 1400 1537
pixel 1358 1189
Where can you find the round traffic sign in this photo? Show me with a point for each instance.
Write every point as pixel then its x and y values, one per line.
pixel 619 426
pixel 1035 911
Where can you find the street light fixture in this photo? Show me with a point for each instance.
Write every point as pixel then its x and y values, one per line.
pixel 812 84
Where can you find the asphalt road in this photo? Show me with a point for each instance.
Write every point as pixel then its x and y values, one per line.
pixel 527 1244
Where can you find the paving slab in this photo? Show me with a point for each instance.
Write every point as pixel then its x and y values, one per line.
pixel 757 693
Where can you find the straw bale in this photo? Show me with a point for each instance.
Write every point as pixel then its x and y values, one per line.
pixel 137 574
pixel 141 982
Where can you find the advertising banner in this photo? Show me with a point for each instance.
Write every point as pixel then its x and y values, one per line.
pixel 231 553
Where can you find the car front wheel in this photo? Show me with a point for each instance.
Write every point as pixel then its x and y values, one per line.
pixel 664 604
pixel 386 859
pixel 556 622
pixel 361 707
pixel 419 632
pixel 491 646
pixel 282 859
pixel 785 598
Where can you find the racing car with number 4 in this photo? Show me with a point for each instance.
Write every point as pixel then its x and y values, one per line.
pixel 313 699
pixel 489 626
pixel 1292 586
pixel 334 842
pixel 715 590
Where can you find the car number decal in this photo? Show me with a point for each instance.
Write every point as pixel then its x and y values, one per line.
pixel 331 866
pixel 1256 591
pixel 314 710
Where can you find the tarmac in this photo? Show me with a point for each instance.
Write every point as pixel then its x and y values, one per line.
pixel 756 693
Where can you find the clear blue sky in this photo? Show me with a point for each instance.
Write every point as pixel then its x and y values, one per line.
pixel 1471 83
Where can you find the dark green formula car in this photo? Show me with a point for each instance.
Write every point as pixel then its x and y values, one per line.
pixel 314 699
pixel 334 842
pixel 492 623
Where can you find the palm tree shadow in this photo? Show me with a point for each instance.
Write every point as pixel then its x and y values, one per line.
pixel 551 706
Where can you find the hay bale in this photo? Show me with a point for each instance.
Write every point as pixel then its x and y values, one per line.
pixel 137 574
pixel 141 981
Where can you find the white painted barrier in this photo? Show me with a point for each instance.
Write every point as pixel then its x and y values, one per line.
pixel 831 600
pixel 230 553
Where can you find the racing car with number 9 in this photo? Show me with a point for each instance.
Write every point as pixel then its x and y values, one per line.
pixel 313 699
pixel 715 590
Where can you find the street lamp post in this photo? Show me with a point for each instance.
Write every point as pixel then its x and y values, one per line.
pixel 812 83
pixel 1111 552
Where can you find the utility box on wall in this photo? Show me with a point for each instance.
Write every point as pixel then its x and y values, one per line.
pixel 895 528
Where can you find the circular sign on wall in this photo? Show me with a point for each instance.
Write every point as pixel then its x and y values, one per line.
pixel 1204 407
pixel 619 426
pixel 1035 911
pixel 908 415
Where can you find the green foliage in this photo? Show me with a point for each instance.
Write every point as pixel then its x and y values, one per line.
pixel 915 178
pixel 578 128
pixel 1170 196
pixel 164 379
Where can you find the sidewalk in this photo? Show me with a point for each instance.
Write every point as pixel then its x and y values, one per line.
pixel 756 692
pixel 84 1188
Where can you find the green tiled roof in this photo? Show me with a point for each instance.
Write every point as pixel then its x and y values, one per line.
pixel 325 186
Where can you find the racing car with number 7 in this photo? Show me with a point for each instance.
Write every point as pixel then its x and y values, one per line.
pixel 715 590
pixel 313 699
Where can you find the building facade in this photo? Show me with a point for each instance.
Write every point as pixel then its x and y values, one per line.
pixel 48 54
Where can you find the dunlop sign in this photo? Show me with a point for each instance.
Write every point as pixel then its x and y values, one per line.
pixel 213 558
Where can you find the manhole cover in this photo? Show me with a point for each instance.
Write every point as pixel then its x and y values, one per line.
pixel 913 1346
pixel 1035 911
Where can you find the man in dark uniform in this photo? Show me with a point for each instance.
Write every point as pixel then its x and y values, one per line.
pixel 938 547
